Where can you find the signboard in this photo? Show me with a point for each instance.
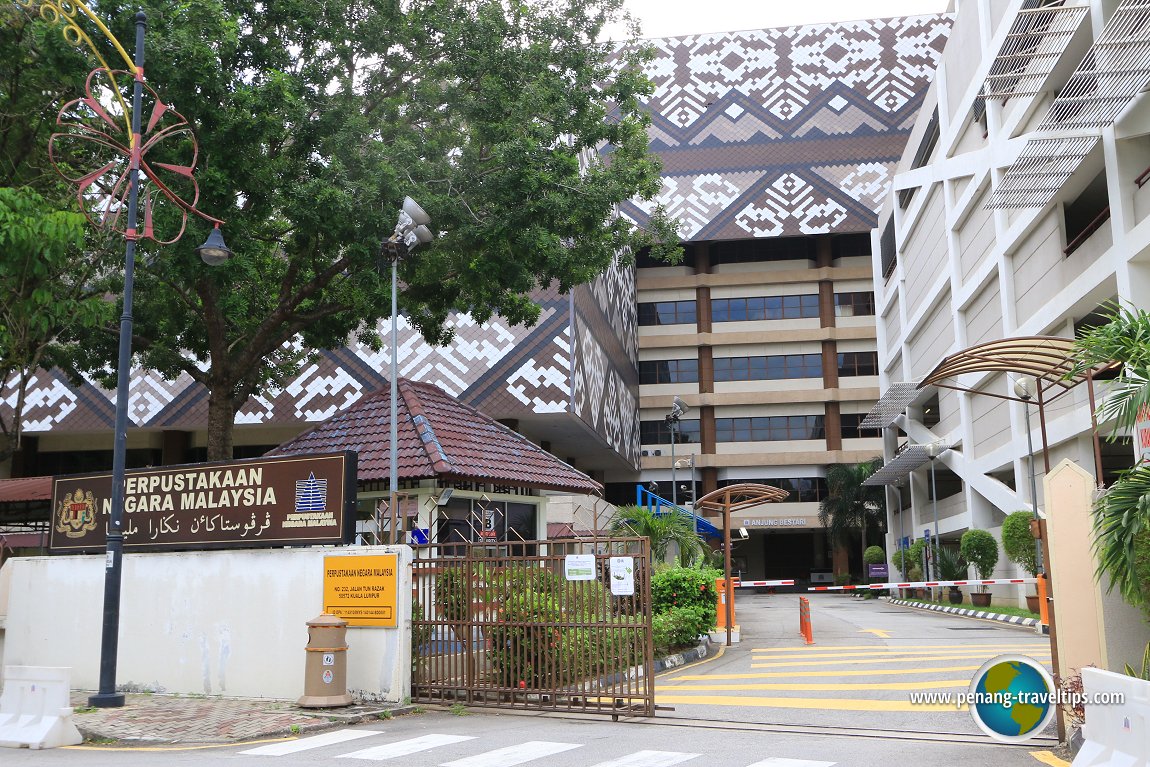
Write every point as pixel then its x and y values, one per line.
pixel 362 589
pixel 1142 434
pixel 287 501
pixel 622 576
pixel 876 571
pixel 771 521
pixel 579 567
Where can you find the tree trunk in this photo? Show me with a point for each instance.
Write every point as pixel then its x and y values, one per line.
pixel 862 553
pixel 221 423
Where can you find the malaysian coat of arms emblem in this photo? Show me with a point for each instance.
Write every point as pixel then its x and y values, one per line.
pixel 76 514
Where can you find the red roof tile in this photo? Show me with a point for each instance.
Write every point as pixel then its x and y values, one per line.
pixel 26 489
pixel 439 437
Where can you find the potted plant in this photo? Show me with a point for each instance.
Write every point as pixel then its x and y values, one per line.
pixel 915 574
pixel 951 567
pixel 1019 546
pixel 979 548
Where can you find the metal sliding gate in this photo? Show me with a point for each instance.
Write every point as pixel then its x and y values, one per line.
pixel 539 625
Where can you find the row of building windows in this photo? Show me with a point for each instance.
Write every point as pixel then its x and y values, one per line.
pixel 766 368
pixel 771 368
pixel 765 308
pixel 755 308
pixel 771 428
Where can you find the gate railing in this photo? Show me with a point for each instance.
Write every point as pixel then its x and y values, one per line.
pixel 545 625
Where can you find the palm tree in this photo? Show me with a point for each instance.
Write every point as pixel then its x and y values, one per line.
pixel 1122 513
pixel 850 505
pixel 663 529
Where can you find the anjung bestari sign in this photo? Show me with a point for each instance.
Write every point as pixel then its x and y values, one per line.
pixel 285 501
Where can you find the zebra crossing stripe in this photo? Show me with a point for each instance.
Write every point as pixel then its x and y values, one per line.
pixel 778 761
pixel 649 759
pixel 406 747
pixel 315 741
pixel 512 755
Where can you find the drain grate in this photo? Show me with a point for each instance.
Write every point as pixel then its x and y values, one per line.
pixel 972 628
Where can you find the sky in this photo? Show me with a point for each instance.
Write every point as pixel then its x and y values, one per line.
pixel 672 18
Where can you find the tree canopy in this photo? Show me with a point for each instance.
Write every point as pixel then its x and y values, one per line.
pixel 850 505
pixel 504 120
pixel 45 286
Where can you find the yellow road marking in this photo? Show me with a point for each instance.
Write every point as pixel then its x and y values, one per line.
pixel 880 633
pixel 804 674
pixel 813 648
pixel 1048 757
pixel 179 748
pixel 872 653
pixel 838 704
pixel 855 661
pixel 812 686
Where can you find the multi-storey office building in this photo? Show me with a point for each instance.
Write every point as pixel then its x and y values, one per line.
pixel 777 148
pixel 1018 209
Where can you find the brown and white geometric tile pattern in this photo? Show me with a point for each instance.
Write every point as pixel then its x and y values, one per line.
pixel 786 131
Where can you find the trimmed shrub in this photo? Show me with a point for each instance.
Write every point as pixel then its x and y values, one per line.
pixel 980 549
pixel 680 627
pixel 1018 543
pixel 526 655
pixel 675 587
pixel 874 555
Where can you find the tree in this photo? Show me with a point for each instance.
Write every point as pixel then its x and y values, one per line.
pixel 503 120
pixel 39 71
pixel 1018 542
pixel 663 529
pixel 45 286
pixel 1122 512
pixel 850 505
pixel 980 549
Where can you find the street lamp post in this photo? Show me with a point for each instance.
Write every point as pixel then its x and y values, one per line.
pixel 934 450
pixel 1023 388
pixel 410 231
pixel 212 251
pixel 678 409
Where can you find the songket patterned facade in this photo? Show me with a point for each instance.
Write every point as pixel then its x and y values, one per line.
pixel 781 133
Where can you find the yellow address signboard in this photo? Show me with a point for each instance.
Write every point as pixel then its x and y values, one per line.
pixel 361 589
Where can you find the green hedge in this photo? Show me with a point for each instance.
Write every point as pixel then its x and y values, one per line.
pixel 524 654
pixel 685 587
pixel 680 627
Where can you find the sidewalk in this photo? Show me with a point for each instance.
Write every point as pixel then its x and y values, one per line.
pixel 147 719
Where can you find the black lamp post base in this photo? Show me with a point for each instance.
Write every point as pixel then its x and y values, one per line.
pixel 107 700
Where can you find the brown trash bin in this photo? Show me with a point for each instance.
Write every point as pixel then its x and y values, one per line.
pixel 325 675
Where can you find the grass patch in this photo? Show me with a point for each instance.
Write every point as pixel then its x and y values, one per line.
pixel 993 608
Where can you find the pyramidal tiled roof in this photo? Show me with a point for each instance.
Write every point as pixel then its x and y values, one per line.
pixel 439 437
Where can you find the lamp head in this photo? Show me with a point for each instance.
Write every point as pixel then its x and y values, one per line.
pixel 743 533
pixel 678 408
pixel 214 252
pixel 935 449
pixel 418 216
pixel 1024 388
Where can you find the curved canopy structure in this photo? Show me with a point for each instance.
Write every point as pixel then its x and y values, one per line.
pixel 741 496
pixel 1050 359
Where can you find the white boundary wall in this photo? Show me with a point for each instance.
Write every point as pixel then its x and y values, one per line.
pixel 230 622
